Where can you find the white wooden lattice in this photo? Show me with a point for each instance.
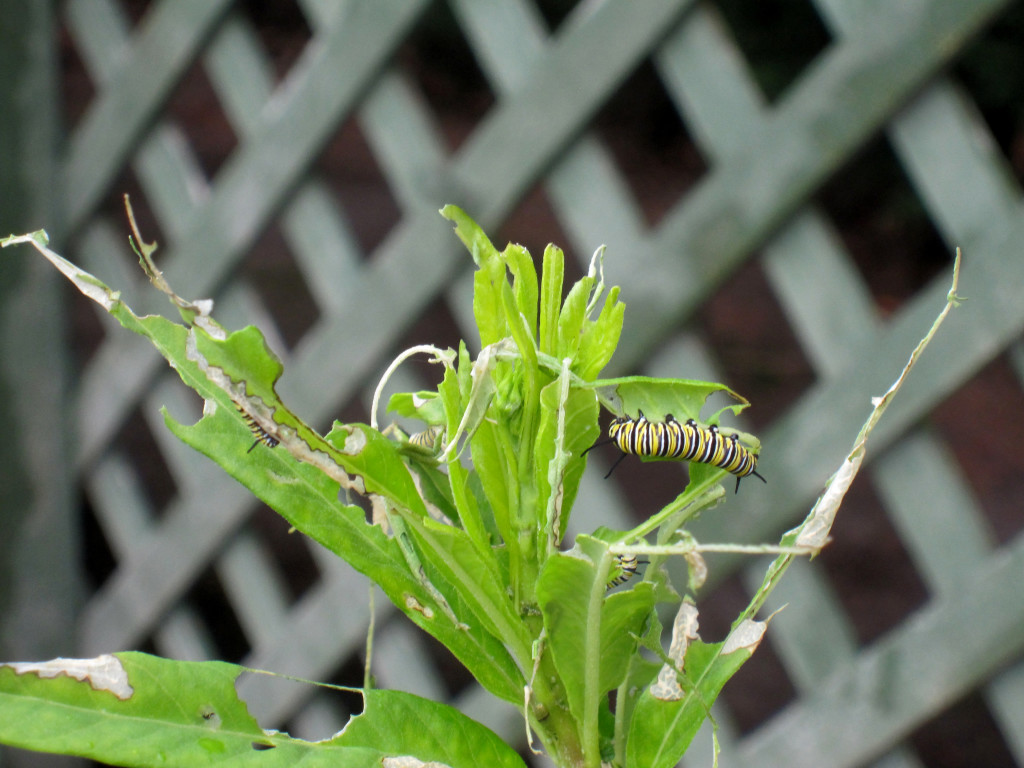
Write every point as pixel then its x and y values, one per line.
pixel 881 74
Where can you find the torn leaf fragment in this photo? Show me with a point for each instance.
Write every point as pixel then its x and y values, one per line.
pixel 684 630
pixel 747 636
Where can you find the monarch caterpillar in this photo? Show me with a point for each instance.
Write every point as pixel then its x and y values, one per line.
pixel 262 436
pixel 689 441
pixel 427 439
pixel 626 565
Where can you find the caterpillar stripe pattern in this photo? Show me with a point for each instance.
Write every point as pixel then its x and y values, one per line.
pixel 427 439
pixel 262 436
pixel 671 439
pixel 626 566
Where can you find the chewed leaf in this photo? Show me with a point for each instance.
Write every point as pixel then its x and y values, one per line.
pixel 176 713
pixel 103 673
pixel 165 712
pixel 469 232
pixel 684 631
pixel 365 452
pixel 480 395
pixel 601 336
pixel 424 730
pixel 658 398
pixel 89 285
pixel 661 730
pixel 746 636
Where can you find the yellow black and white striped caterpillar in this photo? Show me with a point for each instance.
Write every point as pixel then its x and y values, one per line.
pixel 626 566
pixel 262 436
pixel 427 439
pixel 688 441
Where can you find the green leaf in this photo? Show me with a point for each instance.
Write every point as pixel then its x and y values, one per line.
pixel 393 719
pixel 425 406
pixel 452 396
pixel 308 500
pixel 473 405
pixel 487 311
pixel 591 635
pixel 524 277
pixel 475 576
pixel 491 462
pixel 434 488
pixel 365 452
pixel 477 243
pixel 660 731
pixel 601 337
pixel 488 279
pixel 622 619
pixel 640 673
pixel 551 298
pixel 557 454
pixel 244 356
pixel 572 317
pixel 565 591
pixel 526 375
pixel 133 709
pixel 657 398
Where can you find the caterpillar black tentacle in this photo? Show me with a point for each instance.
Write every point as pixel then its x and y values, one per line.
pixel 688 441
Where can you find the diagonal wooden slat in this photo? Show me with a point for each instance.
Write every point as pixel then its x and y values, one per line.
pixel 586 191
pixel 567 86
pixel 804 268
pixel 892 463
pixel 407 146
pixel 909 675
pixel 802 453
pixel 942 118
pixel 798 444
pixel 1007 705
pixel 145 77
pixel 818 287
pixel 813 656
pixel 295 124
pixel 727 215
pixel 417 257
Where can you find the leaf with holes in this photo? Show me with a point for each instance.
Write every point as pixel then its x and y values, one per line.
pixel 668 714
pixel 133 709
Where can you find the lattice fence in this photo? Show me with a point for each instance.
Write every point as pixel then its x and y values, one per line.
pixel 291 159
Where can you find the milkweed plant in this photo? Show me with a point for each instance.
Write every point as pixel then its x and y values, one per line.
pixel 462 523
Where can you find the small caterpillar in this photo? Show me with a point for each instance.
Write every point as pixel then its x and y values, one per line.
pixel 427 439
pixel 672 439
pixel 262 436
pixel 626 565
